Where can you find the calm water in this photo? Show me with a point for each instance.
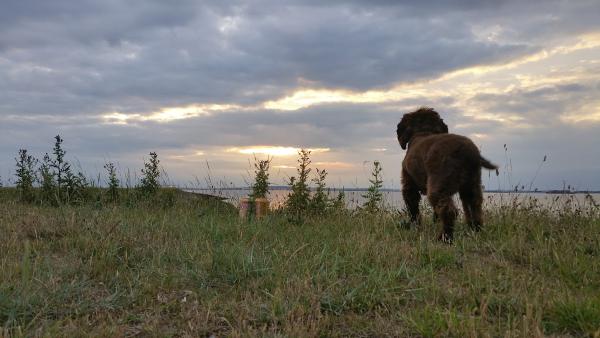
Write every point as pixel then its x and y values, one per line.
pixel 394 200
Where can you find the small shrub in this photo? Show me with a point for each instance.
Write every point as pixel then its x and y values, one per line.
pixel 47 182
pixel 61 170
pixel 25 176
pixel 57 182
pixel 374 196
pixel 260 188
pixel 319 203
pixel 150 175
pixel 113 182
pixel 76 187
pixel 339 203
pixel 299 197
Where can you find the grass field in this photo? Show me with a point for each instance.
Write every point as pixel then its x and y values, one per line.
pixel 187 266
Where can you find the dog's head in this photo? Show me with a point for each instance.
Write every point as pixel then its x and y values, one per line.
pixel 423 120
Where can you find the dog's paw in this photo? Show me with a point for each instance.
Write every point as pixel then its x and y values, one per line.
pixel 476 227
pixel 404 224
pixel 445 238
pixel 408 224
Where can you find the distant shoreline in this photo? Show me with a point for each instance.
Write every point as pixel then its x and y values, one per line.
pixel 283 187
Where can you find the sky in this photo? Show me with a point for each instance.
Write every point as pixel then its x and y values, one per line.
pixel 210 85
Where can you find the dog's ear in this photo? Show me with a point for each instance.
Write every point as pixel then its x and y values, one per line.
pixel 404 132
pixel 404 138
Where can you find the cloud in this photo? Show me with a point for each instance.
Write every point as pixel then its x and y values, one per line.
pixel 94 57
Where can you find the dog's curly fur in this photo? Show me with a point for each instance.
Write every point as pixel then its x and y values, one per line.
pixel 438 164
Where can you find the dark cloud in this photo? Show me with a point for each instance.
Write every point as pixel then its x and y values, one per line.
pixel 88 57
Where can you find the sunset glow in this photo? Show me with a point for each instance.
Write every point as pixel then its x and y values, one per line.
pixel 307 97
pixel 273 150
pixel 589 114
pixel 169 114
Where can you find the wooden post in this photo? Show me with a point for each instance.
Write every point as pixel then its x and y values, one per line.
pixel 253 208
pixel 261 206
pixel 245 206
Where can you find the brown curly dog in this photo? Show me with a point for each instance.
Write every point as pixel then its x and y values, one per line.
pixel 438 164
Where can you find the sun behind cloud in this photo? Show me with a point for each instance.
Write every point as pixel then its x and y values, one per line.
pixel 273 150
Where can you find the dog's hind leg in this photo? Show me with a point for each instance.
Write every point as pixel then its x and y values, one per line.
pixel 472 201
pixel 476 208
pixel 440 198
pixel 445 209
pixel 466 199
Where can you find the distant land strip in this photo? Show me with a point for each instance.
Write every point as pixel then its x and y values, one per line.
pixel 284 187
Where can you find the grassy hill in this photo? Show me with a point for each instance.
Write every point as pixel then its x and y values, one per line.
pixel 182 265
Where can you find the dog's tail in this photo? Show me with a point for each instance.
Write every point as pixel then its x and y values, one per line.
pixel 487 164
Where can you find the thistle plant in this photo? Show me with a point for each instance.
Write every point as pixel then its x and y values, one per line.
pixel 150 175
pixel 61 169
pixel 319 203
pixel 339 203
pixel 47 182
pixel 25 175
pixel 260 188
pixel 75 186
pixel 113 182
pixel 374 196
pixel 299 197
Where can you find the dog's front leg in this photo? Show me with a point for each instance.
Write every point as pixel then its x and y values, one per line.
pixel 412 197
